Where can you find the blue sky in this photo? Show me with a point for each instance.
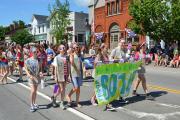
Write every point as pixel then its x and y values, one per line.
pixel 11 10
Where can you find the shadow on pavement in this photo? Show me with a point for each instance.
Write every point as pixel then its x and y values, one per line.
pixel 88 79
pixel 85 103
pixel 139 98
pixel 46 106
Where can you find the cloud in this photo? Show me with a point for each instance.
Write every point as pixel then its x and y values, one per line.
pixel 83 3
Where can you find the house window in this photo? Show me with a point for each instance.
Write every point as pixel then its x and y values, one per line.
pixel 108 8
pixel 43 28
pixel 118 6
pixel 113 8
pixel 39 29
pixel 80 37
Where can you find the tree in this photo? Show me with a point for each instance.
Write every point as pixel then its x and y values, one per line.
pixel 59 19
pixel 175 19
pixel 22 37
pixel 152 18
pixel 21 24
pixel 2 33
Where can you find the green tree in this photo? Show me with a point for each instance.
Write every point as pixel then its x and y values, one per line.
pixel 2 33
pixel 175 19
pixel 22 37
pixel 151 17
pixel 21 24
pixel 59 19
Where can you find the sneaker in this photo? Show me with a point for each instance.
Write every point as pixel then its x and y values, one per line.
pixel 121 100
pixel 109 108
pixel 93 103
pixel 135 93
pixel 54 104
pixel 78 105
pixel 32 109
pixel 19 80
pixel 149 97
pixel 36 106
pixel 62 106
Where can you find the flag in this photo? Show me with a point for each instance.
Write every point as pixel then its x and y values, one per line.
pixel 131 33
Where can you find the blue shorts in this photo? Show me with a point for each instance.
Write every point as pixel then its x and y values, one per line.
pixel 77 82
pixel 2 64
pixel 49 62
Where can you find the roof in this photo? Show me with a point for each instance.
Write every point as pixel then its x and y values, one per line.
pixel 40 18
pixel 97 3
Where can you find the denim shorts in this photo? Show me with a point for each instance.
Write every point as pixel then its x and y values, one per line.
pixel 77 82
pixel 49 62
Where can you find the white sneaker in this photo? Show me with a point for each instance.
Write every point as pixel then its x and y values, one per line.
pixel 36 106
pixel 32 109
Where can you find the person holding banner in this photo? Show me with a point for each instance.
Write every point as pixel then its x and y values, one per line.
pixel 76 75
pixel 140 54
pixel 61 74
pixel 119 55
pixel 101 58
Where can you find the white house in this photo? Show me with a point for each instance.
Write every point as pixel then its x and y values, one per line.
pixel 39 27
pixel 77 28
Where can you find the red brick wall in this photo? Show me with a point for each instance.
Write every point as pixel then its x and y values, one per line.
pixel 104 22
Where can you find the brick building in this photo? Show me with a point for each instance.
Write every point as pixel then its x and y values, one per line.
pixel 110 21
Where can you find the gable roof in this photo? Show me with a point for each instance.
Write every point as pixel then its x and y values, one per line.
pixel 40 18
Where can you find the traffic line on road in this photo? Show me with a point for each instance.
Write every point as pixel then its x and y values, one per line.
pixel 154 116
pixel 169 105
pixel 76 112
pixel 164 88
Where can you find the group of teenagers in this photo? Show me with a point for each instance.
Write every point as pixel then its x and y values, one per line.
pixel 66 65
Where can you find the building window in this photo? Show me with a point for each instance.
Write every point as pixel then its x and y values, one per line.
pixel 113 8
pixel 43 28
pixel 118 6
pixel 39 29
pixel 80 37
pixel 114 35
pixel 108 8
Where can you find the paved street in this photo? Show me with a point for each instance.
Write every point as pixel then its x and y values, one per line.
pixel 163 83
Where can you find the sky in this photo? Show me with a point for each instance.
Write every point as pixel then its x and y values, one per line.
pixel 11 10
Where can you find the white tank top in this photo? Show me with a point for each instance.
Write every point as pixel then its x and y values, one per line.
pixel 77 63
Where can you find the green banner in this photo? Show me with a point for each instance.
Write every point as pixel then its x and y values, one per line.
pixel 114 80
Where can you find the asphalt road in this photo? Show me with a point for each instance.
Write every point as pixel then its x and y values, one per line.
pixel 163 83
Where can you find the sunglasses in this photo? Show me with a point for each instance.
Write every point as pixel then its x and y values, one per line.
pixel 76 47
pixel 62 48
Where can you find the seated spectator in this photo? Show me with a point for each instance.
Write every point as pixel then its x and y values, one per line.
pixel 175 61
pixel 157 58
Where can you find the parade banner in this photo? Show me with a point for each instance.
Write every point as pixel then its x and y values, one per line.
pixel 114 80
